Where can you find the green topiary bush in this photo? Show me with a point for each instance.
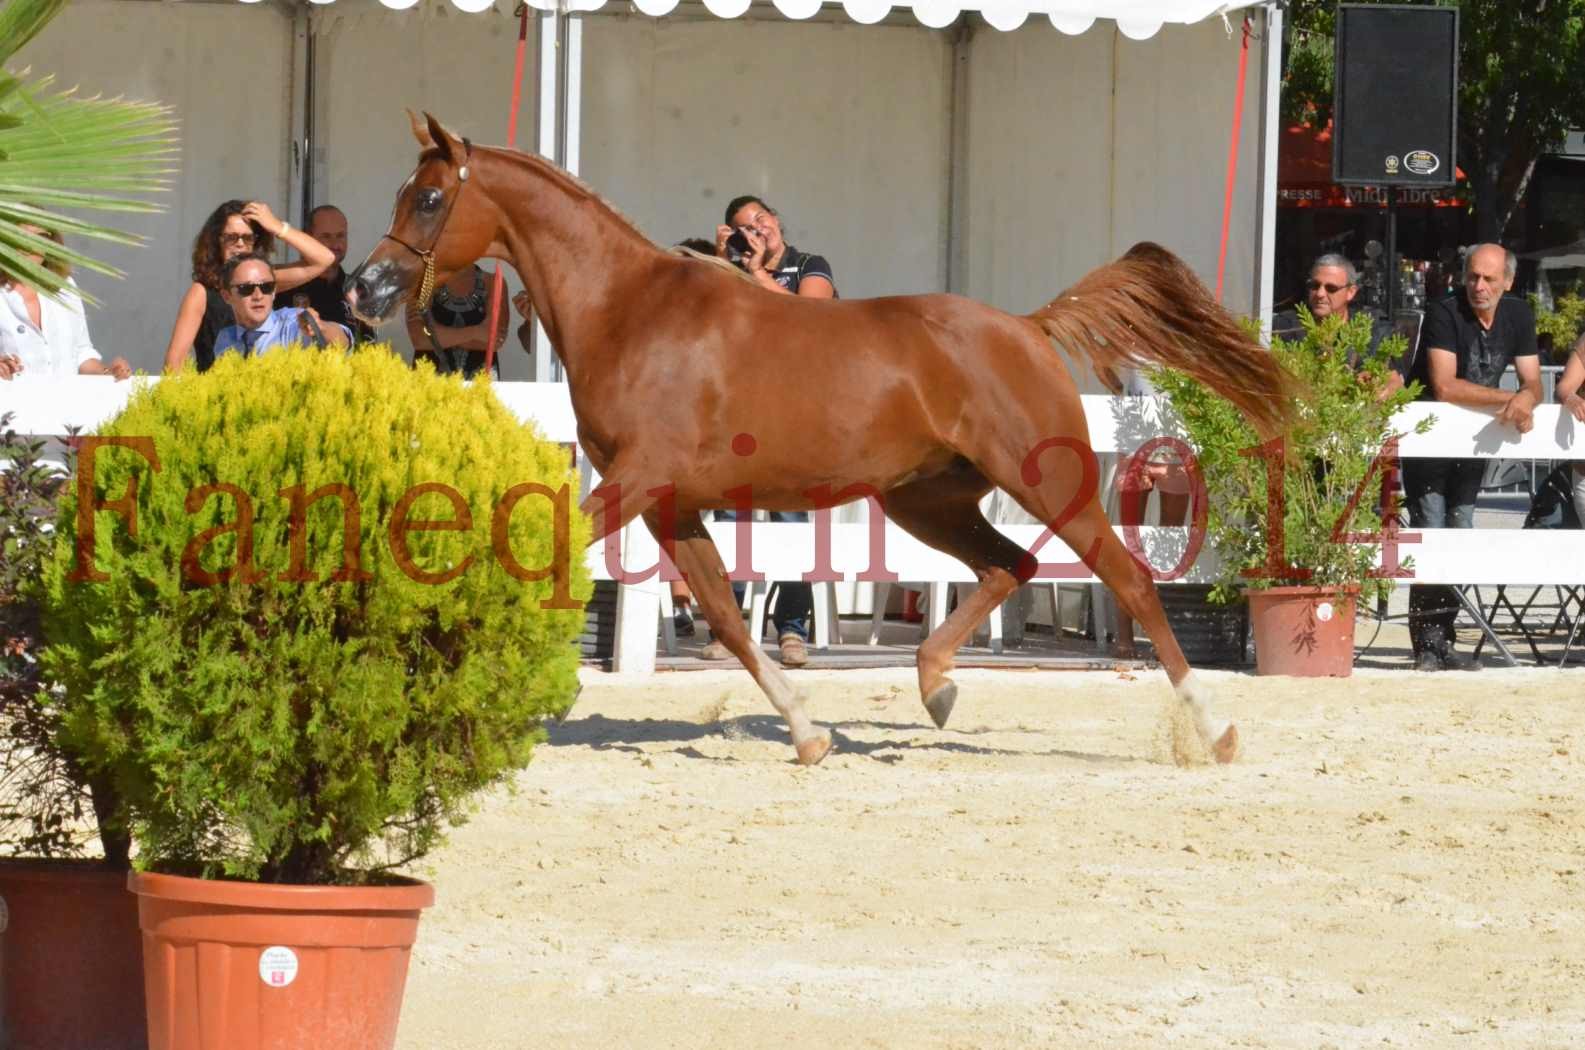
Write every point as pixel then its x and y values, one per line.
pixel 311 705
pixel 1342 423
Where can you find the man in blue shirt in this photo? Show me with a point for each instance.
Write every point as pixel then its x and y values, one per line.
pixel 249 289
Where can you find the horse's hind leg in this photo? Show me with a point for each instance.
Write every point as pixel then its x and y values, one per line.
pixel 945 514
pixel 700 563
pixel 1135 591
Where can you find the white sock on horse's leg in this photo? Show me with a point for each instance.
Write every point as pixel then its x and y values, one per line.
pixel 811 741
pixel 1197 695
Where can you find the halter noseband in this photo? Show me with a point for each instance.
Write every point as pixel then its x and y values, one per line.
pixel 419 307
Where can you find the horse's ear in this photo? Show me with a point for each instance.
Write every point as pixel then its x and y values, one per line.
pixel 450 146
pixel 421 130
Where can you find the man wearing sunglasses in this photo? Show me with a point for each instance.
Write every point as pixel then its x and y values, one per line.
pixel 1467 344
pixel 1329 292
pixel 248 287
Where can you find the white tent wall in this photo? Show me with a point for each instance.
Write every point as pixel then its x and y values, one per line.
pixel 1078 147
pixel 1174 102
pixel 843 128
pixel 457 66
pixel 227 71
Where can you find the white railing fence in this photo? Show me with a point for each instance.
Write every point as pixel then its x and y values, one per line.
pixel 1117 425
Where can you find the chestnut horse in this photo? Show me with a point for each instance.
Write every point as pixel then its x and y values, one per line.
pixel 928 399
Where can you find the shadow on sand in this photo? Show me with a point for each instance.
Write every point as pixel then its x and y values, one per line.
pixel 629 734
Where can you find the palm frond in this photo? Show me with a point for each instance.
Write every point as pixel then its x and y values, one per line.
pixel 62 154
pixel 22 20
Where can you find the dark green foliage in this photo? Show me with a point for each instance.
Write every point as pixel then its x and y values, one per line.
pixel 44 802
pixel 1562 326
pixel 1519 64
pixel 1342 421
pixel 293 731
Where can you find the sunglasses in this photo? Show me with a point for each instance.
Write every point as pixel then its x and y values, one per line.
pixel 236 238
pixel 247 290
pixel 1331 289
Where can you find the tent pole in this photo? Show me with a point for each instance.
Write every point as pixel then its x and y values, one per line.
pixel 957 261
pixel 300 103
pixel 550 143
pixel 498 284
pixel 1270 140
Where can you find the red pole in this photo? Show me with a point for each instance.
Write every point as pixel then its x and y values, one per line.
pixel 1232 160
pixel 498 287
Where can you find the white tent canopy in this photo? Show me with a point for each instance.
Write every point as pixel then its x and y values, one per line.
pixel 1137 19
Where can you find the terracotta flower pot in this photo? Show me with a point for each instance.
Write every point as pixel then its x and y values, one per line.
pixel 1307 632
pixel 250 966
pixel 71 966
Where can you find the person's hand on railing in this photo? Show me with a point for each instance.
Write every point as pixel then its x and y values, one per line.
pixel 1518 412
pixel 1574 405
pixel 117 366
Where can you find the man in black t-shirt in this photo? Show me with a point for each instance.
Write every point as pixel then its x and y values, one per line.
pixel 1466 345
pixel 326 293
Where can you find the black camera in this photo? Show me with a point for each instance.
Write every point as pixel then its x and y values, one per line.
pixel 738 248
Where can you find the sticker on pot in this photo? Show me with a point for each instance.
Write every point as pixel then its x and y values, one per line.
pixel 278 967
pixel 1323 612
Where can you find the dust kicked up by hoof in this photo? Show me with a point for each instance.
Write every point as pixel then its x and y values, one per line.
pixel 939 702
pixel 1178 739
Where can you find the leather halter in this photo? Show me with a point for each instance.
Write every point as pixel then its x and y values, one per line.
pixel 419 306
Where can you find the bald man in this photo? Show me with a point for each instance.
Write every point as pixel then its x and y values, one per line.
pixel 1467 343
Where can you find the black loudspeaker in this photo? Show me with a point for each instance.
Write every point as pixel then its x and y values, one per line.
pixel 1395 95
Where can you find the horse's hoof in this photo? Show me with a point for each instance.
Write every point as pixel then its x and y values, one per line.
pixel 811 751
pixel 939 702
pixel 1226 748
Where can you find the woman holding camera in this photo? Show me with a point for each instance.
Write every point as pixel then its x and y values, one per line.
pixel 752 239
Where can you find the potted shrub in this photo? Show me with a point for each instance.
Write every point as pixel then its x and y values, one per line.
pixel 68 925
pixel 1296 523
pixel 66 920
pixel 332 598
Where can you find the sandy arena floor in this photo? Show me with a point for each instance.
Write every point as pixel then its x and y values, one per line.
pixel 1396 860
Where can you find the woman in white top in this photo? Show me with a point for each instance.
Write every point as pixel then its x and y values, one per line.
pixel 48 337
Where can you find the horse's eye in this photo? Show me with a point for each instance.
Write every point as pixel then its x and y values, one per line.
pixel 429 200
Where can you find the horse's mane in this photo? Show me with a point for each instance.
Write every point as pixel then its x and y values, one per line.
pixel 713 260
pixel 577 186
pixel 582 188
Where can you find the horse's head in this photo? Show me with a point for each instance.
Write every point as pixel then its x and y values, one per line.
pixel 440 224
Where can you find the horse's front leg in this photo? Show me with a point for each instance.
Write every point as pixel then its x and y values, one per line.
pixel 625 492
pixel 701 564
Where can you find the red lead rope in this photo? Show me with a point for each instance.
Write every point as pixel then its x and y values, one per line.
pixel 498 287
pixel 1232 159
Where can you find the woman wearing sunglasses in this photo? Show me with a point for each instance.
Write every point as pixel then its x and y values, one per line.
pixel 250 285
pixel 42 336
pixel 234 228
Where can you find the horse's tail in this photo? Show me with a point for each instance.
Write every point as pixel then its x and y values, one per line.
pixel 1149 308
